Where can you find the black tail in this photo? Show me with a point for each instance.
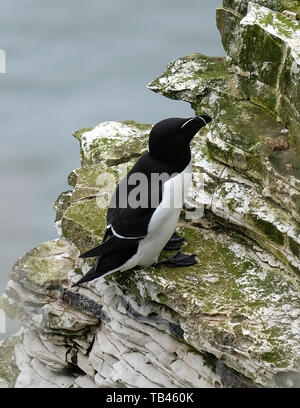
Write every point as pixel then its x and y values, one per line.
pixel 111 245
pixel 109 263
pixel 90 275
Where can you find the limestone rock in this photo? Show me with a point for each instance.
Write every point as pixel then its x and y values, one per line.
pixel 196 78
pixel 103 143
pixel 242 133
pixel 8 369
pixel 270 77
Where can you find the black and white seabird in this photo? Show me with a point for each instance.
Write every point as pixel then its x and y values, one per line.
pixel 136 235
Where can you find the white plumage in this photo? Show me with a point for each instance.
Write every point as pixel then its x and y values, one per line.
pixel 163 221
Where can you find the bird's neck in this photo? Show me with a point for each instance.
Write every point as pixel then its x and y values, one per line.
pixel 175 160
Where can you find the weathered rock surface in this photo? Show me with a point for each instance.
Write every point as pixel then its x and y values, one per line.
pixel 232 320
pixel 8 369
pixel 270 78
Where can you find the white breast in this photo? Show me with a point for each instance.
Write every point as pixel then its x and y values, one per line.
pixel 163 221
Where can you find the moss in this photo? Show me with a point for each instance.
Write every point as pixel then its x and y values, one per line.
pixel 270 231
pixel 294 241
pixel 61 204
pixel 78 133
pixel 48 248
pixel 228 25
pixel 89 215
pixel 192 77
pixel 111 152
pixel 214 68
pixel 8 369
pixel 38 272
pixel 12 309
pixel 289 98
pixel 214 258
pixel 140 126
pixel 244 124
pixel 263 56
pixel 284 25
pixel 239 137
pixel 275 357
pixel 41 271
pixel 221 294
pixel 87 175
pixel 296 202
pixel 266 54
pixel 225 155
pixel 289 117
pixel 275 5
pixel 259 93
pixel 280 160
pixel 162 298
pixel 43 267
pixel 84 224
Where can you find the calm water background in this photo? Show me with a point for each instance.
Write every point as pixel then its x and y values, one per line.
pixel 74 64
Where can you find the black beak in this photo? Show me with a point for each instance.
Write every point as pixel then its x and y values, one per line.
pixel 191 126
pixel 205 119
pixel 196 123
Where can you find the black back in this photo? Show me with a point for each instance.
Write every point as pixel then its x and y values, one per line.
pixel 133 222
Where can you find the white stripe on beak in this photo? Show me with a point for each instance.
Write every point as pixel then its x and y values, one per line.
pixel 185 123
pixel 200 117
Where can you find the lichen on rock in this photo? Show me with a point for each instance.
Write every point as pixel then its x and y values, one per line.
pixel 196 78
pixel 103 143
pixel 269 78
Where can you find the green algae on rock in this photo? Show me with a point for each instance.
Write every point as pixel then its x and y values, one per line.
pixel 238 138
pixel 103 143
pixel 43 267
pixel 271 76
pixel 240 6
pixel 84 224
pixel 242 131
pixel 195 78
pixel 227 300
pixel 8 369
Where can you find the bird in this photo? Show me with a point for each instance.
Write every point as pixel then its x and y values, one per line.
pixel 146 204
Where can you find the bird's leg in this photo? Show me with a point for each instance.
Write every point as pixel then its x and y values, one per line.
pixel 179 260
pixel 174 243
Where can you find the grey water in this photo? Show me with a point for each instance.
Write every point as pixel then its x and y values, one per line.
pixel 70 65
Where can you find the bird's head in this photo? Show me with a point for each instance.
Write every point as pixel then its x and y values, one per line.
pixel 170 138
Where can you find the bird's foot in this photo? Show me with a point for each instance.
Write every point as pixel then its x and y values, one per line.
pixel 179 259
pixel 174 243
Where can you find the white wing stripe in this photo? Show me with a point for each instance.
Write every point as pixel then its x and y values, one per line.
pixel 121 236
